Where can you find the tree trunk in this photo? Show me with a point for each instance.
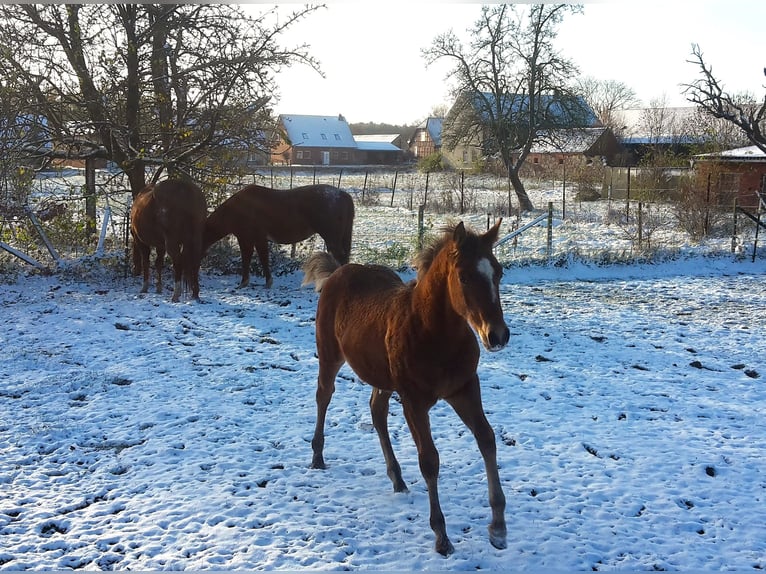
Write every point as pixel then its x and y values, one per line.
pixel 525 204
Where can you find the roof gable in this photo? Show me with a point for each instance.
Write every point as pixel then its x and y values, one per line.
pixel 551 109
pixel 318 131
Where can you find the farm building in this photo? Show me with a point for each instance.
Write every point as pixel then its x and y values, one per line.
pixel 737 173
pixel 471 110
pixel 327 140
pixel 427 138
pixel 574 146
pixel 643 130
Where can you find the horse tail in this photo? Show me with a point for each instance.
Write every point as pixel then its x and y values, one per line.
pixel 318 268
pixel 348 228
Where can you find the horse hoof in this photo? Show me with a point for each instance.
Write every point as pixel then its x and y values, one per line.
pixel 445 547
pixel 498 538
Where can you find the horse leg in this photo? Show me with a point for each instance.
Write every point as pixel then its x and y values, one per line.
pixel 428 457
pixel 379 409
pixel 467 404
pixel 159 262
pixel 246 247
pixel 142 252
pixel 262 247
pixel 175 254
pixel 325 388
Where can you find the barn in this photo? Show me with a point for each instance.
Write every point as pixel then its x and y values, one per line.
pixel 737 173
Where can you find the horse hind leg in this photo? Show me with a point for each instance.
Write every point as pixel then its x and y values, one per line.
pixel 379 409
pixel 262 247
pixel 325 389
pixel 159 261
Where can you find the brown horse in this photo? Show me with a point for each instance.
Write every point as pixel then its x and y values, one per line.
pixel 416 340
pixel 170 216
pixel 257 214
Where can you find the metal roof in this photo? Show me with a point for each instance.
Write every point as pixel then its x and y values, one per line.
pixel 318 131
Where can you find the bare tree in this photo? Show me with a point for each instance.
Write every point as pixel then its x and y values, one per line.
pixel 709 94
pixel 605 97
pixel 168 85
pixel 509 84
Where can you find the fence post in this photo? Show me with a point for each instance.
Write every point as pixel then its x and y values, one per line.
pixel 627 199
pixel 706 228
pixel 425 195
pixel 339 176
pixel 462 190
pixel 550 229
pixel 90 197
pixel 640 224
pixel 393 188
pixel 421 227
pixel 734 229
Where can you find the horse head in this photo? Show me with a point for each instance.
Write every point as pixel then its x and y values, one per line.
pixel 474 285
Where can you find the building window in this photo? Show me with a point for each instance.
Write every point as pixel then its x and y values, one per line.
pixel 729 182
pixel 305 136
pixel 344 155
pixel 536 159
pixel 422 136
pixel 337 137
pixel 307 154
pixel 324 137
pixel 299 154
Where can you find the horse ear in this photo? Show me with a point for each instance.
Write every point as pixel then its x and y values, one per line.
pixel 493 232
pixel 459 234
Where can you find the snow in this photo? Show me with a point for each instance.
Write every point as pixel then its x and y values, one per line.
pixel 140 434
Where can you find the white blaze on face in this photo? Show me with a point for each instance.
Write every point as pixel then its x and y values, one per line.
pixel 485 270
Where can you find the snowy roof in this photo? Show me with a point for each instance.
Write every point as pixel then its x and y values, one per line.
pixel 655 125
pixel 318 131
pixel 559 111
pixel 749 153
pixel 388 138
pixel 568 141
pixel 376 146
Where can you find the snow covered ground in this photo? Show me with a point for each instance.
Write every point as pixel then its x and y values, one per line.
pixel 140 434
pixel 628 409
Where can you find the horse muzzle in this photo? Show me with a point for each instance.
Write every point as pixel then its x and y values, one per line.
pixel 497 338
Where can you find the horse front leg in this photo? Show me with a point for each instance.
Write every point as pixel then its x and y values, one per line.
pixel 467 404
pixel 379 410
pixel 428 457
pixel 246 253
pixel 325 389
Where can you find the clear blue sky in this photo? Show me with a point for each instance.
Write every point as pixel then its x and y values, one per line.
pixel 370 51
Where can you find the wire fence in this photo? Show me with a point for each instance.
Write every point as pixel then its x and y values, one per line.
pixel 396 211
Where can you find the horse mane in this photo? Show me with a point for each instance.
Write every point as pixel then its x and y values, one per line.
pixel 426 256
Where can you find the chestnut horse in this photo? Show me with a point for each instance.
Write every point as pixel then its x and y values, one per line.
pixel 170 217
pixel 257 214
pixel 417 340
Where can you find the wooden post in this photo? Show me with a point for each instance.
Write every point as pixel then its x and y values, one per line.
pixel 706 227
pixel 90 198
pixel 462 194
pixel 757 229
pixel 421 227
pixel 425 195
pixel 339 176
pixel 550 229
pixel 734 228
pixel 393 187
pixel 627 199
pixel 640 224
pixel 364 187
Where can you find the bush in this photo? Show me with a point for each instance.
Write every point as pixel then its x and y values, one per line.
pixel 433 162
